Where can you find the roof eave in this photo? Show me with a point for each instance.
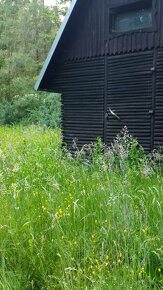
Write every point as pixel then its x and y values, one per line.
pixel 54 45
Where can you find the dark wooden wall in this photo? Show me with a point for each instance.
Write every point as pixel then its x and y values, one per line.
pixel 158 131
pixel 129 95
pixel 134 88
pixel 88 33
pixel 82 84
pixel 83 101
pixel 95 71
pixel 135 41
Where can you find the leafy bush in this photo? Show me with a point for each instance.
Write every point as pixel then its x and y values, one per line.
pixel 31 108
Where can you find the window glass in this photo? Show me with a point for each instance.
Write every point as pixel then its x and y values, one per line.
pixel 133 20
pixel 131 17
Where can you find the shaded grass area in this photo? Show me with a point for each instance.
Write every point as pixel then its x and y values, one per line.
pixel 72 224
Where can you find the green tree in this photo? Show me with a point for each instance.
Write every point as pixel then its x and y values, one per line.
pixel 27 30
pixel 63 5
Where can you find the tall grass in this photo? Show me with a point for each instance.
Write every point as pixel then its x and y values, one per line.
pixel 75 223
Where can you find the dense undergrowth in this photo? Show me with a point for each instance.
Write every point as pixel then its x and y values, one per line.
pixel 41 108
pixel 83 222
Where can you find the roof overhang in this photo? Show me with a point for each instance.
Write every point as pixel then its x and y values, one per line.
pixel 55 44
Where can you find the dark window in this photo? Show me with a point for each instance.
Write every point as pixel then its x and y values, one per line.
pixel 135 16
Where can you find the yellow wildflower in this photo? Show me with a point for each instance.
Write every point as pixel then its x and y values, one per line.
pixel 159 270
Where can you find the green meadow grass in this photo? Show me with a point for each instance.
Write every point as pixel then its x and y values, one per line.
pixel 68 223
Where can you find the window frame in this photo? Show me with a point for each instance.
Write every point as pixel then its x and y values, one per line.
pixel 130 7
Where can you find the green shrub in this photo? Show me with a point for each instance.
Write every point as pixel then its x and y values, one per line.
pixel 43 109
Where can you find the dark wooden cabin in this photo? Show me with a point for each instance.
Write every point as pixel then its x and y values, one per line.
pixel 108 57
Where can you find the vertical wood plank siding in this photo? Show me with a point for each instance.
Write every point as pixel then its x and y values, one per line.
pixel 158 132
pixel 160 6
pixel 88 33
pixel 134 41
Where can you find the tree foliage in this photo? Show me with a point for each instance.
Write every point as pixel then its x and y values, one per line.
pixel 27 30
